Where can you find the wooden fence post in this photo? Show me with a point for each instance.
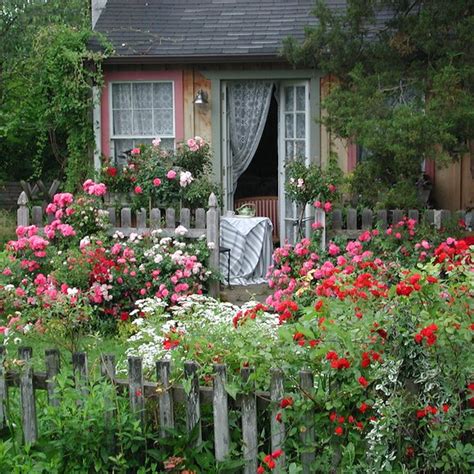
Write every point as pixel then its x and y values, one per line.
pixel 135 383
pixel 249 425
pixel 221 413
pixel 52 370
pixel 307 436
pixel 80 369
pixel 213 238
pixel 193 407
pixel 277 428
pixel 27 395
pixel 163 370
pixel 3 389
pixel 320 218
pixel 23 213
pixel 107 370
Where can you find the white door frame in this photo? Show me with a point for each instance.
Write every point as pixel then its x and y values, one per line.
pixel 282 152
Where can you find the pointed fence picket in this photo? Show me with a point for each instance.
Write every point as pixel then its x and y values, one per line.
pixel 200 224
pixel 168 396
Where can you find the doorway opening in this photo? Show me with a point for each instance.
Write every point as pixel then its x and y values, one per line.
pixel 261 177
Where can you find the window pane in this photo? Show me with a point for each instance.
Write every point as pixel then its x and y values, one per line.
pixel 300 125
pixel 120 147
pixel 167 143
pixel 143 122
pixel 300 98
pixel 300 149
pixel 163 95
pixel 289 98
pixel 142 95
pixel 289 126
pixel 289 150
pixel 122 122
pixel 121 96
pixel 163 122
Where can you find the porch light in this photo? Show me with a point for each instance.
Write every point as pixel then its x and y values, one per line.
pixel 201 97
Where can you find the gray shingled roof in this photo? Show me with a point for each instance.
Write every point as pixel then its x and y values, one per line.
pixel 203 28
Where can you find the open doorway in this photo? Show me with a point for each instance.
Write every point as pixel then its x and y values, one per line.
pixel 261 177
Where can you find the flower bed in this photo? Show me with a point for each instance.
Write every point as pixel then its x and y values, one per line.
pixel 75 269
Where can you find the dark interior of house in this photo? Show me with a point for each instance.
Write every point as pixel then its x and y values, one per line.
pixel 261 177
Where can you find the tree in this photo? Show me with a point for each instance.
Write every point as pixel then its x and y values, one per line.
pixel 405 79
pixel 46 78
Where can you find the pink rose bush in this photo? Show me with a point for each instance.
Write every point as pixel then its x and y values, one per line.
pixel 75 259
pixel 163 177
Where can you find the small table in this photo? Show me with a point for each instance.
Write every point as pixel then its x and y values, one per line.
pixel 250 242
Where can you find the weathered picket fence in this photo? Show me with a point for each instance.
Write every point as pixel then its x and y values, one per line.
pixel 350 223
pixel 199 224
pixel 168 395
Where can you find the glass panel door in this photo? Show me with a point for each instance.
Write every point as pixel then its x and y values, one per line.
pixel 293 145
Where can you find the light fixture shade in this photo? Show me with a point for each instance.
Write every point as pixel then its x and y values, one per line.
pixel 201 97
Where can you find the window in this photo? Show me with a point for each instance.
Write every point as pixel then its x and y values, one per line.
pixel 140 112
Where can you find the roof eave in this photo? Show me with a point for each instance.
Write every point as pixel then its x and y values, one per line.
pixel 214 59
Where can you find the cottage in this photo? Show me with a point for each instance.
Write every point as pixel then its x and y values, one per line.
pixel 212 68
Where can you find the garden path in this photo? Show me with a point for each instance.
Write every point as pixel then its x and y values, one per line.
pixel 239 295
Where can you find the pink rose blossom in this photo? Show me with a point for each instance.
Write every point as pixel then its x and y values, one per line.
pixel 156 182
pixel 171 174
pixel 327 206
pixel 193 146
pixel 317 204
pixel 138 190
pixel 135 151
pixel 156 142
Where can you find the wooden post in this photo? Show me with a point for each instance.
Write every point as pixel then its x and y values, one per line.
pixel 27 395
pixel 414 214
pixel 141 220
pixel 37 216
pixel 351 219
pixel 200 219
pixel 221 413
pixel 336 216
pixel 185 217
pixel 249 425
pixel 307 435
pixel 193 407
pixel 163 370
pixel 3 389
pixel 126 220
pixel 52 370
pixel 79 366
pixel 155 218
pixel 397 216
pixel 170 218
pixel 23 213
pixel 367 219
pixel 107 370
pixel 213 241
pixel 320 218
pixel 135 384
pixel 382 219
pixel 277 429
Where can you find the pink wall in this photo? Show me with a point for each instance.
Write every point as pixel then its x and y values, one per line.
pixel 175 76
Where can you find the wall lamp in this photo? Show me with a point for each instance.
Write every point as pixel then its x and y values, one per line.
pixel 201 97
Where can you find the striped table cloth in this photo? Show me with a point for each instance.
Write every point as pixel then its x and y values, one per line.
pixel 251 248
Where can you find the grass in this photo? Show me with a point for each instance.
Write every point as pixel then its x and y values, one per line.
pixel 7 227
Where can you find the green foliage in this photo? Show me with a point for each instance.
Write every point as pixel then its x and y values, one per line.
pixel 47 74
pixel 404 90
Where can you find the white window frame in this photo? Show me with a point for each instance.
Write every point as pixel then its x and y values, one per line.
pixel 114 137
